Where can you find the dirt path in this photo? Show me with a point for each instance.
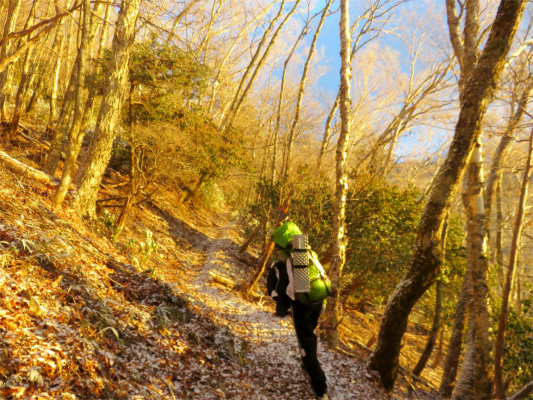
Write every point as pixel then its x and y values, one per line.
pixel 270 369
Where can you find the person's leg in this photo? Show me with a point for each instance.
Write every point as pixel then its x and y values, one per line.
pixel 305 319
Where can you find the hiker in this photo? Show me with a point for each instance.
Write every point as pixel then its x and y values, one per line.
pixel 304 313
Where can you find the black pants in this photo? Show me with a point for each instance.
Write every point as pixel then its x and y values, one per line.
pixel 305 317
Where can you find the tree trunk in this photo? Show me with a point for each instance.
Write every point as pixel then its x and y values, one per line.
pixel 234 110
pixel 24 78
pixel 6 73
pixel 47 25
pixel 26 171
pixel 280 106
pixel 76 134
pixel 92 95
pixel 498 248
pixel 63 129
pixel 426 261
pixel 438 357
pixel 301 89
pixel 499 155
pixel 236 97
pixel 57 47
pixel 513 255
pixel 436 318
pixel 114 92
pixel 253 235
pixel 432 334
pixel 341 188
pixel 134 171
pixel 478 265
pixel 465 382
pixel 327 134
pixel 451 364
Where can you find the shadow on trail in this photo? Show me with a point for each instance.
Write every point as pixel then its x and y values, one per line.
pixel 181 231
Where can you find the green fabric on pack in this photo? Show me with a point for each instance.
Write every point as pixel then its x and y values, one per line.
pixel 320 286
pixel 283 234
pixel 319 283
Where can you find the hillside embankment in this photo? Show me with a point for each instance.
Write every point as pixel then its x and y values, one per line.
pixel 140 317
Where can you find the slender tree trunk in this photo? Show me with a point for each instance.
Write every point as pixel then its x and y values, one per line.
pixel 92 96
pixel 234 110
pixel 341 188
pixel 57 48
pixel 301 89
pixel 60 129
pixel 115 90
pixel 499 234
pixel 128 203
pixel 432 334
pixel 438 357
pixel 47 26
pixel 248 70
pixel 373 11
pixel 327 133
pixel 426 261
pixel 280 104
pixel 24 78
pixel 501 151
pixel 262 265
pixel 6 73
pixel 19 98
pixel 451 364
pixel 464 388
pixel 478 265
pixel 63 129
pixel 76 134
pixel 35 95
pixel 513 255
pixel 436 318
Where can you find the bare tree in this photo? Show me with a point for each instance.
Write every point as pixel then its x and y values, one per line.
pixel 5 74
pixel 239 97
pixel 222 68
pixel 432 338
pixel 62 130
pixel 57 48
pixel 376 17
pixel 24 79
pixel 75 133
pixel 506 140
pixel 451 363
pixel 339 215
pixel 301 89
pixel 478 268
pixel 426 261
pixel 114 92
pixel 513 255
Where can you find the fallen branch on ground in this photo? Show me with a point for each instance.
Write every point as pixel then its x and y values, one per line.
pixel 22 169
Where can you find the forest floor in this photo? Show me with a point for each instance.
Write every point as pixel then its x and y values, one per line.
pixel 140 317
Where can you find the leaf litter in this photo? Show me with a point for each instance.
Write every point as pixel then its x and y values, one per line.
pixel 82 317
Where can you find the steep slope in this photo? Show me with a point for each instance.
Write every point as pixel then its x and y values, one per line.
pixel 82 317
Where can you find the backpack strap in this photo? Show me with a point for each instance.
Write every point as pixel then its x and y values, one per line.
pixel 318 265
pixel 321 271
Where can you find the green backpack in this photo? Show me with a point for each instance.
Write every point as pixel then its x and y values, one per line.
pixel 319 282
pixel 320 287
